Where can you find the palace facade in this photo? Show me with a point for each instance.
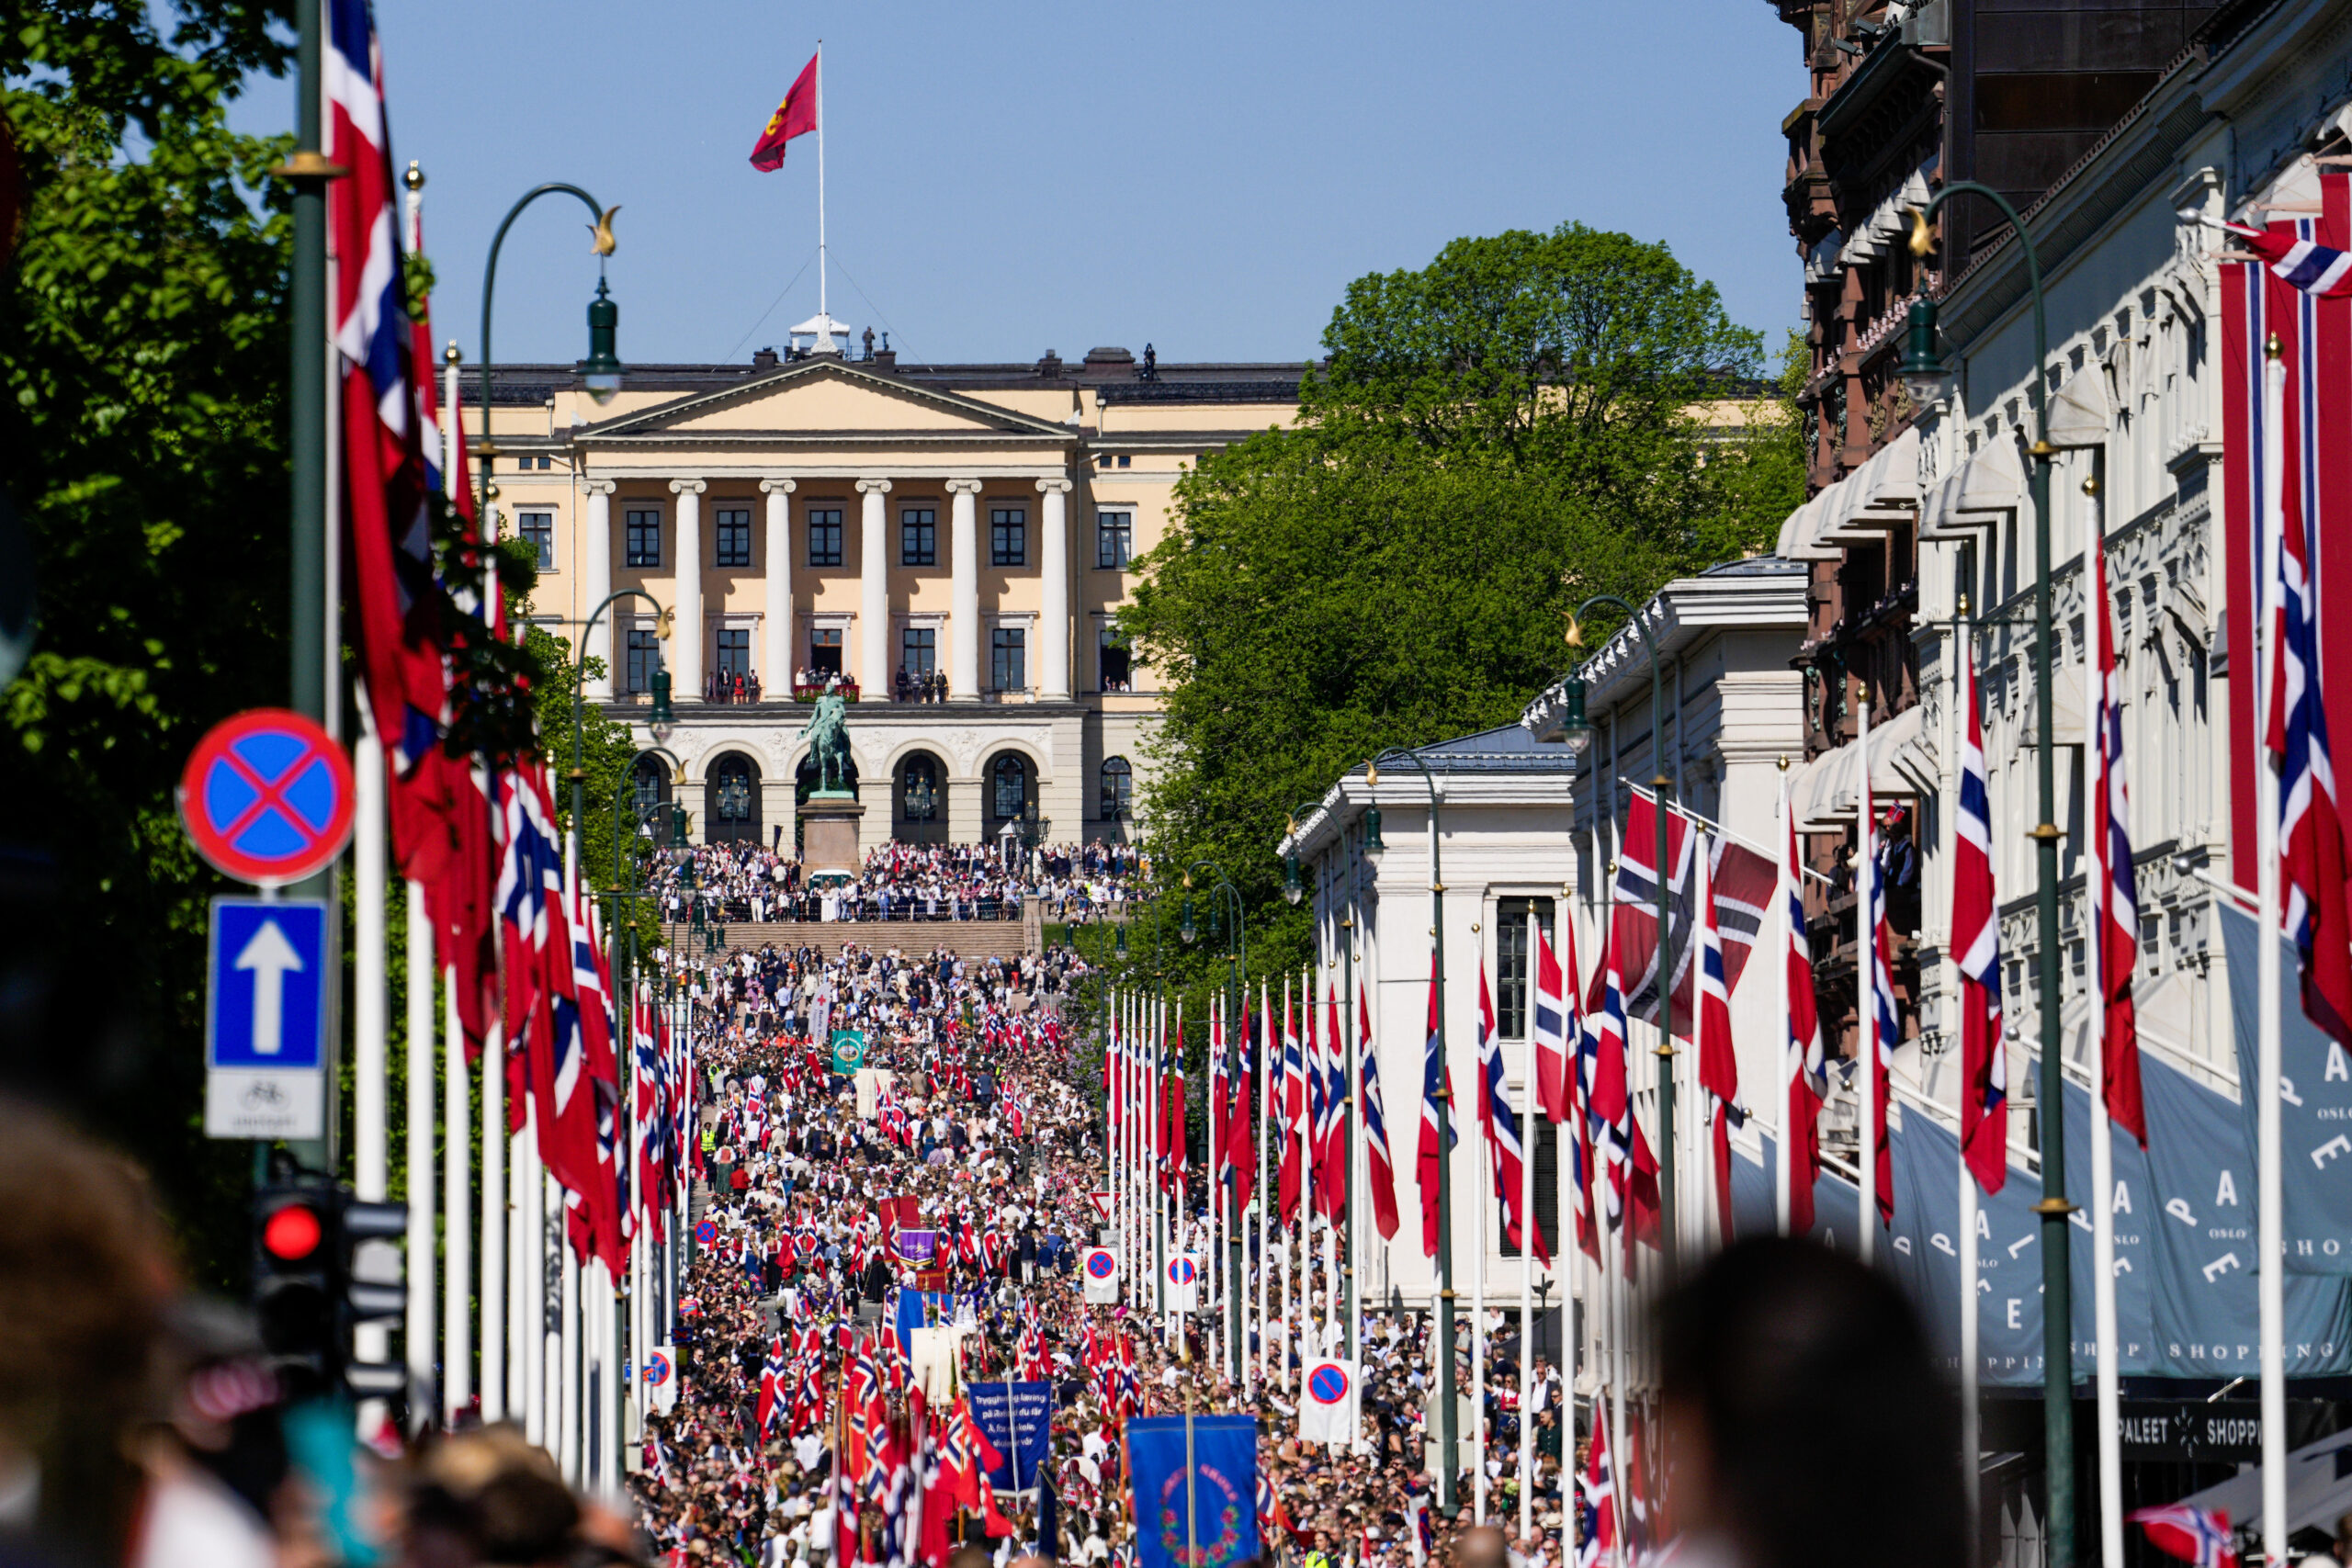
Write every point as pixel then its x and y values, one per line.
pixel 952 541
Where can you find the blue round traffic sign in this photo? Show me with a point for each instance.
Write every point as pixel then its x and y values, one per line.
pixel 1328 1383
pixel 1182 1270
pixel 707 1233
pixel 1101 1265
pixel 267 797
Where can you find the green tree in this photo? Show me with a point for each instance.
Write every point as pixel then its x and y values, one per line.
pixel 143 357
pixel 1531 419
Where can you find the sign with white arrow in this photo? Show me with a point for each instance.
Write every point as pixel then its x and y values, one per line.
pixel 265 1038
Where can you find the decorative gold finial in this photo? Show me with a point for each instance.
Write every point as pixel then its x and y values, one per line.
pixel 1784 762
pixel 2091 485
pixel 450 355
pixel 1922 242
pixel 1371 773
pixel 415 178
pixel 2270 346
pixel 1575 633
pixel 603 231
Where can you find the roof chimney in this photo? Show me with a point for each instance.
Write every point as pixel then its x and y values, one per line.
pixel 764 359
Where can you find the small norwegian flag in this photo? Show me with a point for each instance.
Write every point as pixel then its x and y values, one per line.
pixel 2193 1535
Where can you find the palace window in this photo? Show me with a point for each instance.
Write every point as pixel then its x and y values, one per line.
pixel 824 536
pixel 644 658
pixel 1513 961
pixel 918 649
pixel 919 801
pixel 538 531
pixel 1116 664
pixel 1008 535
pixel 1009 658
pixel 918 536
pixel 1118 789
pixel 1114 535
pixel 734 653
pixel 734 538
pixel 644 538
pixel 1009 781
pixel 825 651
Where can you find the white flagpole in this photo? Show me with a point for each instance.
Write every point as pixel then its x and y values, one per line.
pixel 1784 922
pixel 456 1302
pixel 568 1423
pixel 2110 1393
pixel 1529 979
pixel 1265 1197
pixel 370 1015
pixel 1486 1190
pixel 1295 1142
pixel 539 1414
pixel 822 313
pixel 2271 1231
pixel 493 1226
pixel 1306 1347
pixel 1358 1166
pixel 1614 1261
pixel 1866 966
pixel 1970 1361
pixel 419 1330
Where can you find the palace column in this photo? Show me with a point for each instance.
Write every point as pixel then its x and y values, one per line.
pixel 686 638
pixel 1052 613
pixel 964 602
pixel 873 669
pixel 775 635
pixel 595 558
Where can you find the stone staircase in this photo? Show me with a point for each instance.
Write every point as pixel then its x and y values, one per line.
pixel 966 939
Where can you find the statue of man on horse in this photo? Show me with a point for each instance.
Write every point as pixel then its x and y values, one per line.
pixel 828 736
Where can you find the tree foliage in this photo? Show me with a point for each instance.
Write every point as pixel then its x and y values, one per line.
pixel 1529 420
pixel 142 361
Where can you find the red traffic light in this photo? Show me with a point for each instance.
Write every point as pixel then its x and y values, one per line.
pixel 292 1234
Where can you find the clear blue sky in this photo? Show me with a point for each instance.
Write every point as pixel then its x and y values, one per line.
pixel 1007 178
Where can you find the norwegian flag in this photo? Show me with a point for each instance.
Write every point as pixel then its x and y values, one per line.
pixel 1597 1500
pixel 1437 1100
pixel 774 1382
pixel 1601 1051
pixel 1293 1114
pixel 2311 838
pixel 387 515
pixel 2114 891
pixel 1976 946
pixel 1718 1061
pixel 2193 1535
pixel 1506 1165
pixel 1808 1065
pixel 1883 1023
pixel 1553 1024
pixel 1331 1170
pixel 1241 1138
pixel 1740 885
pixel 1380 1172
pixel 2296 259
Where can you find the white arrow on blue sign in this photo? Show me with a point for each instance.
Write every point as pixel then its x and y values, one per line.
pixel 265 1038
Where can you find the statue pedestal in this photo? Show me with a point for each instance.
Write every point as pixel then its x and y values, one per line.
pixel 828 852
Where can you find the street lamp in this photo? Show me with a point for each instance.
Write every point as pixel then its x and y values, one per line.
pixel 1922 371
pixel 1576 731
pixel 664 720
pixel 601 371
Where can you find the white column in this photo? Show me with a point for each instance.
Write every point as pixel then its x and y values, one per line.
pixel 457 1205
pixel 1053 644
pixel 686 642
pixel 493 1224
pixel 419 1330
pixel 964 603
pixel 595 558
pixel 370 1018
pixel 776 627
pixel 873 668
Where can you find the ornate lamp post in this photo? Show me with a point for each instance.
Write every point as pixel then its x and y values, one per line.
pixel 1924 376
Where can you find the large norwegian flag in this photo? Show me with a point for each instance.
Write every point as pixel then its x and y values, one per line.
pixel 1292 1113
pixel 2114 891
pixel 1240 1123
pixel 1436 1100
pixel 1884 1019
pixel 1378 1169
pixel 394 601
pixel 1553 1023
pixel 1740 884
pixel 1808 1066
pixel 1718 1061
pixel 1617 1133
pixel 1331 1171
pixel 1597 1502
pixel 2193 1535
pixel 1976 947
pixel 1506 1155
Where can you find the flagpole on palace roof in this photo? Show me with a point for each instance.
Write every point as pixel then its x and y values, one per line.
pixel 821 311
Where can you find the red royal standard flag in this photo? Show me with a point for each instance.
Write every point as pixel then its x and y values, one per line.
pixel 797 116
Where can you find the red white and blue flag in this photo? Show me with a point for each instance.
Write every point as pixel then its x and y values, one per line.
pixel 1808 1066
pixel 1552 1024
pixel 1977 946
pixel 1596 1499
pixel 2196 1535
pixel 2291 254
pixel 1293 1110
pixel 1379 1169
pixel 2114 891
pixel 1718 1061
pixel 1437 1100
pixel 1500 1120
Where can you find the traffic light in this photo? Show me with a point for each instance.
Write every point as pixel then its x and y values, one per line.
pixel 323 1262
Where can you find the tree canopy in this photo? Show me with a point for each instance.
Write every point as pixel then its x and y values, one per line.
pixel 1529 420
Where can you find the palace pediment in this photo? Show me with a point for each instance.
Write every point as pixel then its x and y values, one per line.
pixel 823 402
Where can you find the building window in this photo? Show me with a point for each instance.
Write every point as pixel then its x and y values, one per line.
pixel 1547 1195
pixel 918 649
pixel 538 531
pixel 919 798
pixel 644 538
pixel 734 653
pixel 1118 790
pixel 1116 664
pixel 1125 460
pixel 1114 536
pixel 1009 787
pixel 527 463
pixel 1009 658
pixel 644 658
pixel 1514 962
pixel 918 536
pixel 824 536
pixel 1104 461
pixel 1008 535
pixel 825 651
pixel 731 803
pixel 734 538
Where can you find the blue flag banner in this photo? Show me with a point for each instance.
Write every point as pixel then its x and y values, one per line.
pixel 2314 1106
pixel 1224 1490
pixel 2134 1250
pixel 922 1309
pixel 1756 1209
pixel 1925 1254
pixel 1023 1436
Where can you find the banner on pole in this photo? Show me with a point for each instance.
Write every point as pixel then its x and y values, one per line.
pixel 1327 1412
pixel 1224 1473
pixel 1184 1282
pixel 662 1378
pixel 1017 1419
pixel 1101 1265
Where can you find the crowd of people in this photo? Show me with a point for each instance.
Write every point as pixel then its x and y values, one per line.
pixel 746 881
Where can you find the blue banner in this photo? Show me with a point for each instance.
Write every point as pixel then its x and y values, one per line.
pixel 1224 1489
pixel 1926 1247
pixel 1024 1437
pixel 2314 1104
pixel 922 1309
